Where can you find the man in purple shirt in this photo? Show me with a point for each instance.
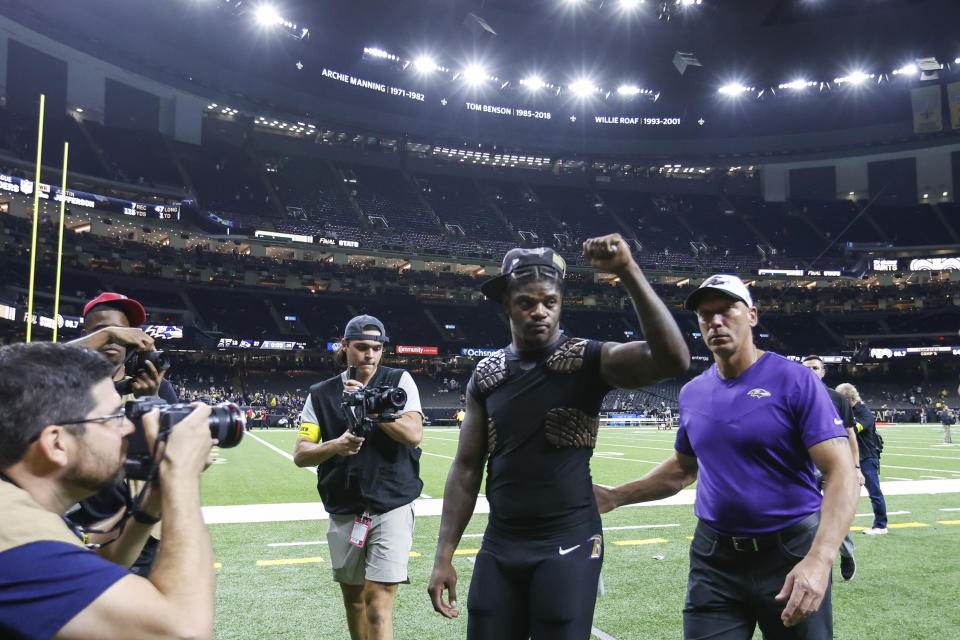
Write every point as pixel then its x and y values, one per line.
pixel 752 427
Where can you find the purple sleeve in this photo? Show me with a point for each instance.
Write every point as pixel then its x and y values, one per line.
pixel 43 585
pixel 682 443
pixel 815 414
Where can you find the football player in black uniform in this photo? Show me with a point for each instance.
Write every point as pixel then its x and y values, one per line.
pixel 533 413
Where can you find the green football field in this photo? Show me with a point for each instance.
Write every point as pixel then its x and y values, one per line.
pixel 273 577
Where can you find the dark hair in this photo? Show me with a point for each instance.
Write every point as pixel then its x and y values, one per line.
pixel 532 273
pixel 42 383
pixel 812 356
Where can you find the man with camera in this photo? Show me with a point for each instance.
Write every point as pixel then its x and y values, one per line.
pixel 63 437
pixel 111 325
pixel 362 429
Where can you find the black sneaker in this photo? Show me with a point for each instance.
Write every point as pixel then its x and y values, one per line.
pixel 848 567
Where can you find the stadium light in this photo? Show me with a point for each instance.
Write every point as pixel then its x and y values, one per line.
pixel 380 54
pixel 267 15
pixel 630 5
pixel 582 87
pixel 907 70
pixel 733 89
pixel 475 75
pixel 628 90
pixel 855 78
pixel 533 83
pixel 797 85
pixel 425 64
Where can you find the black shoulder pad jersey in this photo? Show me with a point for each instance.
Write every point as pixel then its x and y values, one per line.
pixel 542 419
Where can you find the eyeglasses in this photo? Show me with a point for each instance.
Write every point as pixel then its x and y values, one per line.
pixel 115 418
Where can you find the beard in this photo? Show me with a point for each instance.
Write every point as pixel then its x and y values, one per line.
pixel 95 471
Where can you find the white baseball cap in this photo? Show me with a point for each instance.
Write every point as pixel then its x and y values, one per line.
pixel 724 283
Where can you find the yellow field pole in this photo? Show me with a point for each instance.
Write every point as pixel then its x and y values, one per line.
pixel 63 205
pixel 36 216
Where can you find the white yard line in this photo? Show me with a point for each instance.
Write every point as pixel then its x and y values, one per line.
pixel 286 455
pixel 601 634
pixel 604 456
pixel 436 455
pixel 890 466
pixel 642 526
pixel 296 544
pixel 918 455
pixel 314 510
pixel 889 513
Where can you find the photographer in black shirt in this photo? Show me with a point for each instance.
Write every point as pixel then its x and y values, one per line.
pixel 368 474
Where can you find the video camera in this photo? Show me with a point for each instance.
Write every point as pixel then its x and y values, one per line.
pixel 226 423
pixel 358 404
pixel 137 362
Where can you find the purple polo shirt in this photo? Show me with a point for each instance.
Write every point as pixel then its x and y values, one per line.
pixel 750 436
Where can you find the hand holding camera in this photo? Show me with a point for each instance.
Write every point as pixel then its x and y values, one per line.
pixel 145 370
pixel 348 444
pixel 185 433
pixel 134 338
pixel 364 407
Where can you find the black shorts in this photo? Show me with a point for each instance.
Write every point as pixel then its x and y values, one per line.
pixel 543 589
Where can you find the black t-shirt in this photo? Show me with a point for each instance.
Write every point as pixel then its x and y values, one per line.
pixel 867 436
pixel 543 414
pixel 843 408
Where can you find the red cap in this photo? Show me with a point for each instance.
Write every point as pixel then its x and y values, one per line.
pixel 130 307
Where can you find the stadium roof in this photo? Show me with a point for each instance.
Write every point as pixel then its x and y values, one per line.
pixel 756 42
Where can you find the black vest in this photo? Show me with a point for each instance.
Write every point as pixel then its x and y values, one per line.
pixel 384 475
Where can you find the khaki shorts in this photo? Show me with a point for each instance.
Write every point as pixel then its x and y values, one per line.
pixel 383 557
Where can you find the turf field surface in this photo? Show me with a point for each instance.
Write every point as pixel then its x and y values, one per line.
pixel 274 577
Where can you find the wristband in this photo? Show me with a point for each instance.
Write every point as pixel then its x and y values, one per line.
pixel 145 518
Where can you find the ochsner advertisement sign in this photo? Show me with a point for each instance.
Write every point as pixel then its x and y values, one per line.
pixel 422 351
pixel 477 352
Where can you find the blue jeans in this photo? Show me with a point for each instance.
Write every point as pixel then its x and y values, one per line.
pixel 870 468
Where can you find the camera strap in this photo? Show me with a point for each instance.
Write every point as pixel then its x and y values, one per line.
pixel 133 502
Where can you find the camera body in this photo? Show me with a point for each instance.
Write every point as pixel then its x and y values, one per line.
pixel 137 362
pixel 358 404
pixel 226 424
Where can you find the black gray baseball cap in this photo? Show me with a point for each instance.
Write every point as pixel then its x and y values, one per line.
pixel 517 258
pixel 731 286
pixel 354 329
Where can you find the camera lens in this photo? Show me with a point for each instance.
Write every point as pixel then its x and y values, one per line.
pixel 396 398
pixel 226 424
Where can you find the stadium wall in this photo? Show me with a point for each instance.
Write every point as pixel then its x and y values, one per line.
pixel 932 169
pixel 180 112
